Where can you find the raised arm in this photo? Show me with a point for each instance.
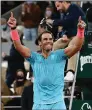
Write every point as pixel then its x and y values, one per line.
pixel 24 51
pixel 77 42
pixel 61 43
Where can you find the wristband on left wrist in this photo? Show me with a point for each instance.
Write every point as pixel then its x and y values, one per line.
pixel 15 35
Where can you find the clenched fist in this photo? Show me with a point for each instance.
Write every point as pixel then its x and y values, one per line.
pixel 81 23
pixel 12 21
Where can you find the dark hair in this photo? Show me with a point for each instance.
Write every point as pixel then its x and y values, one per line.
pixel 40 36
pixel 19 70
pixel 22 70
pixel 49 6
pixel 65 1
pixel 68 1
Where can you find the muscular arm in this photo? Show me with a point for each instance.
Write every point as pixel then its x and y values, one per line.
pixel 77 42
pixel 24 51
pixel 61 43
pixel 74 46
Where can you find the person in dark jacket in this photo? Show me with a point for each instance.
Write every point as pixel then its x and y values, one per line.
pixel 69 23
pixel 31 16
pixel 15 62
pixel 49 14
pixel 71 14
pixel 20 82
pixel 27 98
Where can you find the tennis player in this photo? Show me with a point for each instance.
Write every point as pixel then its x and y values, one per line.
pixel 48 66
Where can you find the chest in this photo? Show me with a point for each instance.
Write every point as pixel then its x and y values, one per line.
pixel 52 59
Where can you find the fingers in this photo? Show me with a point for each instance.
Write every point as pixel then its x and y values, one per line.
pixel 81 23
pixel 11 24
pixel 12 21
pixel 79 18
pixel 12 15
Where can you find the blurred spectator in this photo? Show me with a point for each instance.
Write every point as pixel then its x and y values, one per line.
pixel 20 82
pixel 42 5
pixel 5 37
pixel 71 15
pixel 27 98
pixel 49 14
pixel 31 16
pixel 15 61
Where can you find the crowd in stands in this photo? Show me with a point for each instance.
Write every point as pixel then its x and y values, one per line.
pixel 33 17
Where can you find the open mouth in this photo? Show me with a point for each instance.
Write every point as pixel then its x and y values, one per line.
pixel 49 45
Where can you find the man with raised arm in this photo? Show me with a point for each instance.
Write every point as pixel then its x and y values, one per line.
pixel 48 66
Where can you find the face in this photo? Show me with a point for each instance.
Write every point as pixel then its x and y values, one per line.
pixel 46 42
pixel 60 6
pixel 48 12
pixel 20 75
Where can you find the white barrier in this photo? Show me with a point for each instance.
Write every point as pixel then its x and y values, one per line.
pixel 12 107
pixel 20 96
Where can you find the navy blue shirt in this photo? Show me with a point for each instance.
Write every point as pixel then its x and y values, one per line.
pixel 70 20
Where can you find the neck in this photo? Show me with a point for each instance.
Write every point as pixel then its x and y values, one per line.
pixel 45 53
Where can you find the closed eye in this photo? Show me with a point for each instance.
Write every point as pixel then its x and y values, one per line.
pixel 45 39
pixel 50 39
